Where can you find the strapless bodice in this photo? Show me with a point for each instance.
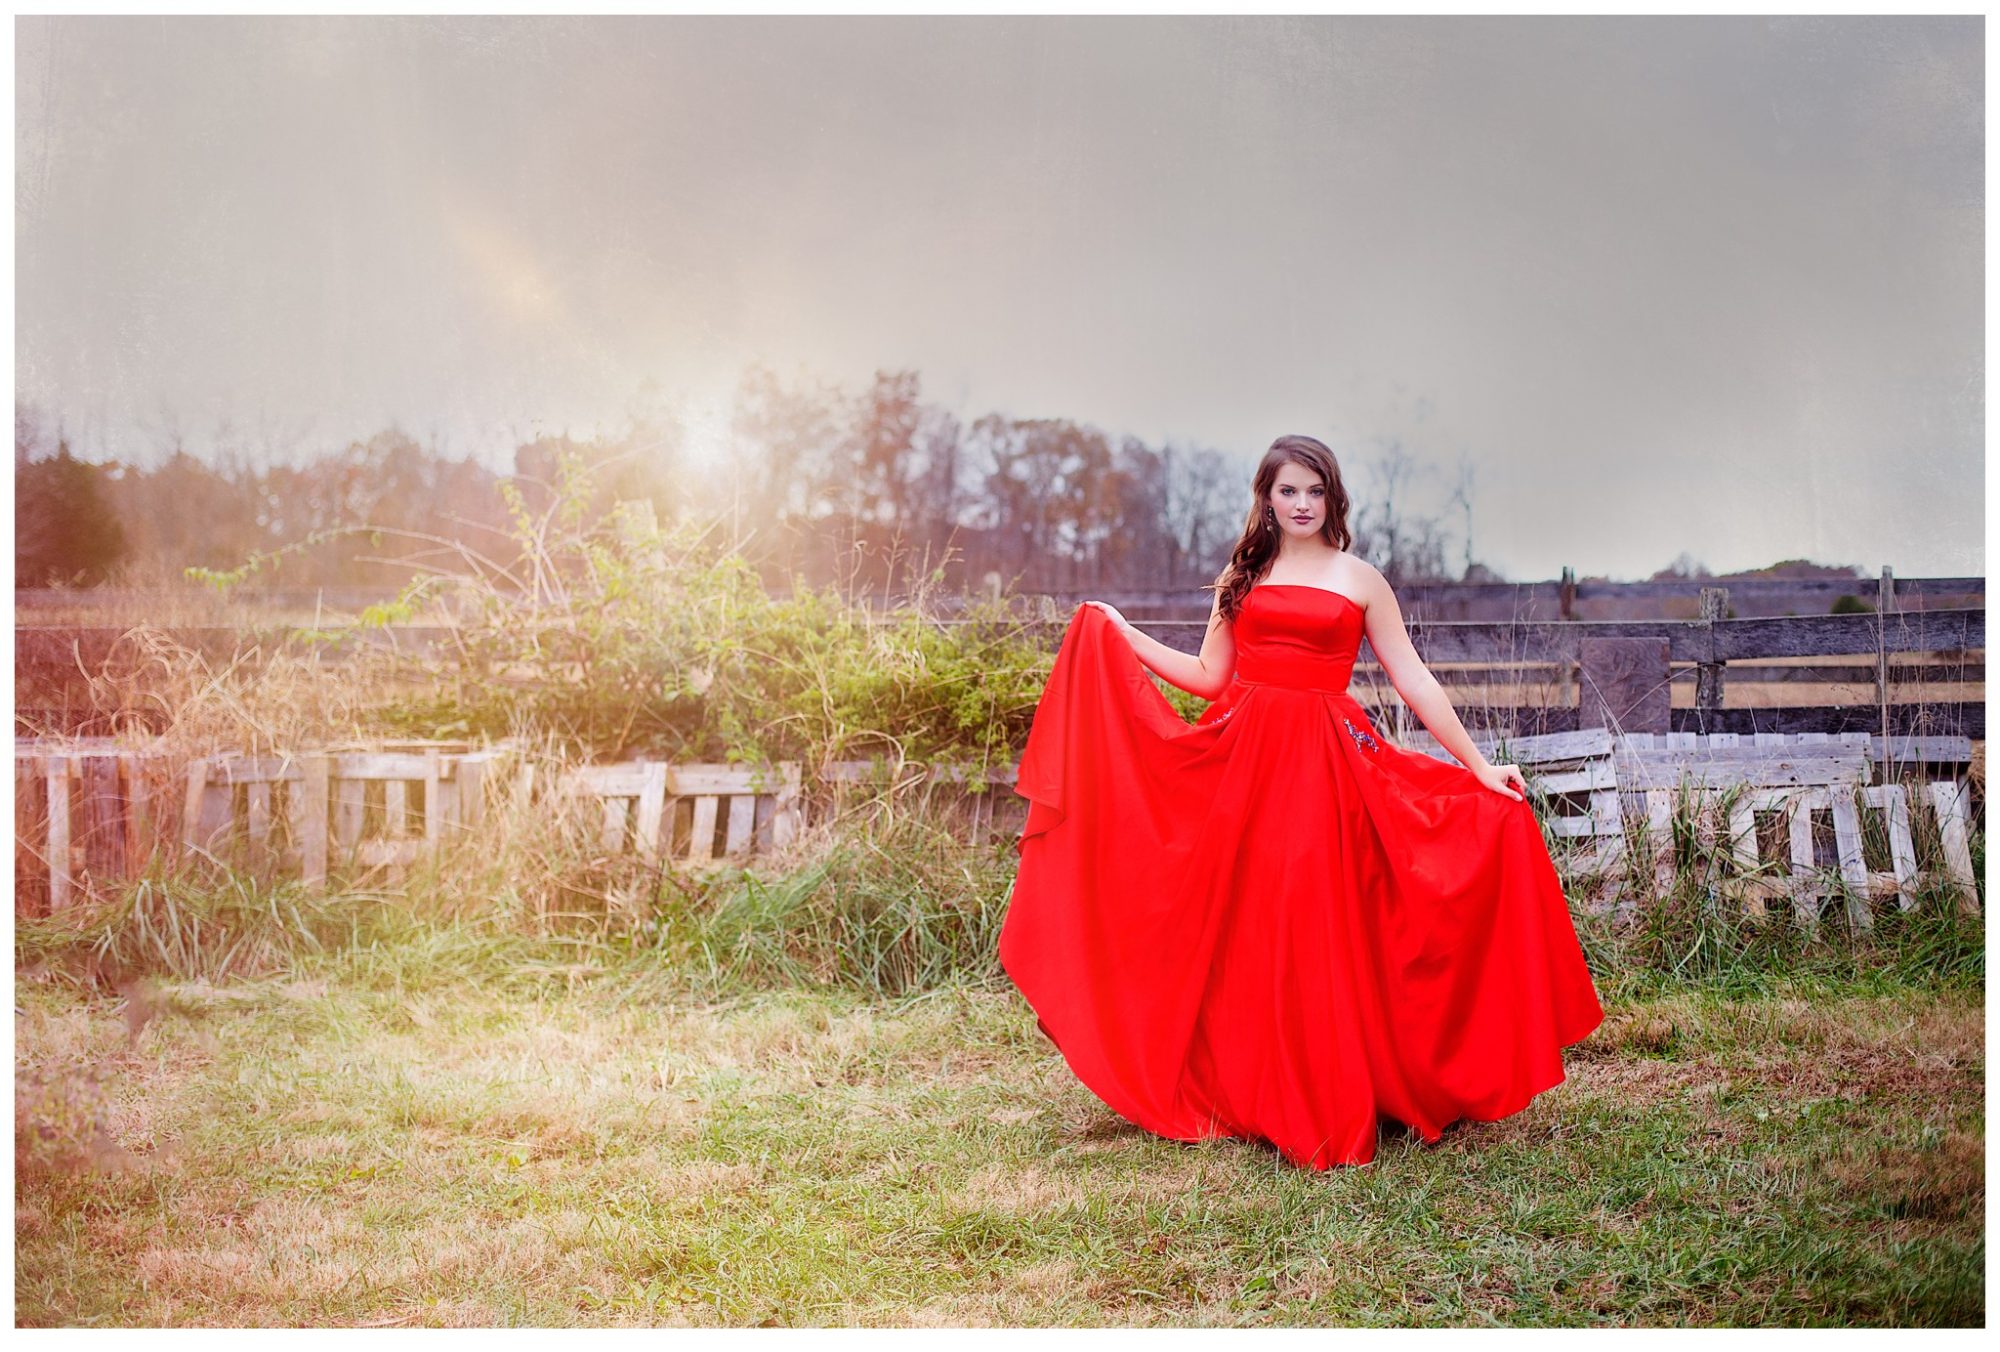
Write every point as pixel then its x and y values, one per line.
pixel 1299 636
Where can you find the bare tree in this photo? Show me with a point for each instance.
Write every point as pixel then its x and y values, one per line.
pixel 1204 499
pixel 797 440
pixel 1404 545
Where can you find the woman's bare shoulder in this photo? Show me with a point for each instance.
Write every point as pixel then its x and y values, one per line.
pixel 1365 578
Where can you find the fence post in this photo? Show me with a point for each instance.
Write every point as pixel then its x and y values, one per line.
pixel 1708 675
pixel 1885 601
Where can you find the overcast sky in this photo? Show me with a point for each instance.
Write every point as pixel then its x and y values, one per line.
pixel 1701 284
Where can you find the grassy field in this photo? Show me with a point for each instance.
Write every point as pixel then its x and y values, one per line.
pixel 455 1129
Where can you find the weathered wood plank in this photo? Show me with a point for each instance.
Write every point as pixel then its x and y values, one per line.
pixel 1853 868
pixel 1805 887
pixel 611 824
pixel 1754 766
pixel 737 839
pixel 787 817
pixel 1594 776
pixel 103 805
pixel 197 781
pixel 1714 607
pixel 392 765
pixel 1527 598
pixel 55 790
pixel 1951 801
pixel 610 781
pixel 651 809
pixel 1533 749
pixel 701 840
pixel 688 781
pixel 350 813
pixel 1743 850
pixel 1578 826
pixel 395 809
pixel 1917 631
pixel 433 815
pixel 1922 750
pixel 31 873
pixel 1930 671
pixel 1960 717
pixel 470 804
pixel 1660 838
pixel 141 776
pixel 1624 684
pixel 309 801
pixel 230 769
pixel 1894 805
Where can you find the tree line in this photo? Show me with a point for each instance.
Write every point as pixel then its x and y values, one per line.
pixel 873 490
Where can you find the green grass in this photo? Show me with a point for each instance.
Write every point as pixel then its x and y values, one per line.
pixel 440 1125
pixel 811 1099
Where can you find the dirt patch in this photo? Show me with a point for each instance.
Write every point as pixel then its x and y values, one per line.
pixel 1945 1184
pixel 1643 1032
pixel 1879 1072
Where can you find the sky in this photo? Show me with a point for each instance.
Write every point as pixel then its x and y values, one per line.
pixel 1665 284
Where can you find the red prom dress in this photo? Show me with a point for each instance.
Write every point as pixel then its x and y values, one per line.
pixel 1271 923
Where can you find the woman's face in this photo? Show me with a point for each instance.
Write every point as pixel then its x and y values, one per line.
pixel 1298 497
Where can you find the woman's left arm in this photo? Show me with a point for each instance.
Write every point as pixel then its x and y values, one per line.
pixel 1422 692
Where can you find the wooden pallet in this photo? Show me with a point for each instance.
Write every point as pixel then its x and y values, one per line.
pixel 87 810
pixel 752 808
pixel 1630 784
pixel 426 792
pixel 1795 776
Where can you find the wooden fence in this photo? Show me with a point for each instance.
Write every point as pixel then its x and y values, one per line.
pixel 89 815
pixel 1555 675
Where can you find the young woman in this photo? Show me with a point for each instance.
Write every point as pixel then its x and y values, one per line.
pixel 1272 923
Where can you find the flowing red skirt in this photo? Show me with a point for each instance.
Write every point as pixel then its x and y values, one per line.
pixel 1271 923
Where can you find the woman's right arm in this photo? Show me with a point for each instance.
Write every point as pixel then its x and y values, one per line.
pixel 1205 674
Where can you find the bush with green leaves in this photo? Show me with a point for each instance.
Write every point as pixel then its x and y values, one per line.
pixel 620 637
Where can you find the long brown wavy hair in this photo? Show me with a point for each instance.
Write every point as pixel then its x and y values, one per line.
pixel 1258 546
